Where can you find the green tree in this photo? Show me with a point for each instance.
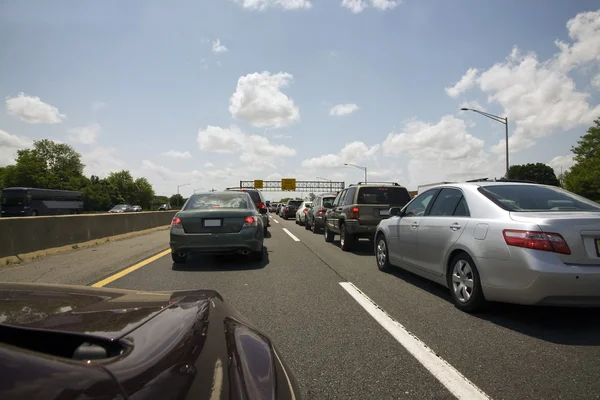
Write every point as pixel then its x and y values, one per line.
pixel 538 172
pixel 121 186
pixel 96 195
pixel 312 196
pixel 30 170
pixel 143 193
pixel 176 200
pixel 584 177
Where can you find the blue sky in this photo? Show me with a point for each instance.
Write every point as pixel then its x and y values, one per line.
pixel 209 92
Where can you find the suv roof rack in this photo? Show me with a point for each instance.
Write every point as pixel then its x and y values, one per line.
pixel 369 183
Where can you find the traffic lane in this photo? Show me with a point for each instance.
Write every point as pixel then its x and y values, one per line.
pixel 89 264
pixel 509 351
pixel 335 349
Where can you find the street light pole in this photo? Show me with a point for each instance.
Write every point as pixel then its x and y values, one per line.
pixel 359 167
pixel 180 186
pixel 502 120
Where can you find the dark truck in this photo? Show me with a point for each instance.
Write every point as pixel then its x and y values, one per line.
pixel 358 209
pixel 289 210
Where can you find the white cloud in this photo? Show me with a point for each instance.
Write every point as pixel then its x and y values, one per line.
pixel 33 110
pixel 465 83
pixel 539 97
pixel 284 4
pixel 101 161
pixel 343 109
pixel 9 144
pixel 84 134
pixel 177 154
pixel 584 31
pixel 254 150
pixel 353 152
pixel 562 163
pixel 441 151
pixel 209 165
pixel 217 47
pixel 358 6
pixel 258 99
pixel 596 81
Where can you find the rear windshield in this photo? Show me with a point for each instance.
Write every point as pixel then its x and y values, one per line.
pixel 397 196
pixel 328 201
pixel 218 200
pixel 528 198
pixel 254 195
pixel 295 203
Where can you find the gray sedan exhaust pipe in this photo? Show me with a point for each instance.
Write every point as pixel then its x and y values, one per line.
pixel 245 252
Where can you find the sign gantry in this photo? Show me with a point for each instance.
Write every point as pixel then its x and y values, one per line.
pixel 292 185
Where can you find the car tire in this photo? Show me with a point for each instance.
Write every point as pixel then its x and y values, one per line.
pixel 306 225
pixel 179 258
pixel 329 236
pixel 347 240
pixel 463 270
pixel 258 256
pixel 382 255
pixel 265 231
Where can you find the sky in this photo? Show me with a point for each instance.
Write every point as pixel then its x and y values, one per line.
pixel 205 93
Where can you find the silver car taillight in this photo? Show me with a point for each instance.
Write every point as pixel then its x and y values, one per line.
pixel 536 240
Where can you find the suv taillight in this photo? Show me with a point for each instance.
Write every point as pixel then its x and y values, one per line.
pixel 321 212
pixel 354 213
pixel 260 205
pixel 544 241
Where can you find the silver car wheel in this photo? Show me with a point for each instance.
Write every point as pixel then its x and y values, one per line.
pixel 462 281
pixel 381 252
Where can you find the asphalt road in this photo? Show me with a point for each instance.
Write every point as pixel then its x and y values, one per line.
pixel 335 347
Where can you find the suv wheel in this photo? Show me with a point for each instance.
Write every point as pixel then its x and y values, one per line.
pixel 347 240
pixel 329 236
pixel 306 224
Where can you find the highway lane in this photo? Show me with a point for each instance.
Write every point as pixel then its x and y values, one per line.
pixel 510 352
pixel 336 348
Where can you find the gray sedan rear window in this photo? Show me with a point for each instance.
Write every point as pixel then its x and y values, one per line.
pixel 536 198
pixel 218 200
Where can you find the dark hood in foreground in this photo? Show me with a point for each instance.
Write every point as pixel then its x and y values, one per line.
pixel 79 342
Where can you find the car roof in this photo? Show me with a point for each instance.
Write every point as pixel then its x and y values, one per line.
pixel 484 184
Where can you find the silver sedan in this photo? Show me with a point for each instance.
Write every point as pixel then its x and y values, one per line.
pixel 498 241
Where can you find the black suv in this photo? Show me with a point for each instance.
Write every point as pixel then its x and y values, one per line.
pixel 259 201
pixel 358 209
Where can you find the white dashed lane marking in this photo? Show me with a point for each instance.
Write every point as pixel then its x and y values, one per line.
pixel 290 234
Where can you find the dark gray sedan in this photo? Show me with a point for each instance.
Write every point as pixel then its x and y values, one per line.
pixel 218 223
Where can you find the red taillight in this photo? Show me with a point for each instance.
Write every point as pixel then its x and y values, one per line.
pixel 249 221
pixel 260 205
pixel 176 222
pixel 354 213
pixel 545 241
pixel 305 210
pixel 320 212
pixel 287 209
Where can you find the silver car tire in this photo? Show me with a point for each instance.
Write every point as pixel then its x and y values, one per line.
pixel 465 284
pixel 382 255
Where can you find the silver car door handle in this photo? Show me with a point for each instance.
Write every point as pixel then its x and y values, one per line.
pixel 414 225
pixel 455 226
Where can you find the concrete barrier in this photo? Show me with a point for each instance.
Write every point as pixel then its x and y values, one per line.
pixel 28 234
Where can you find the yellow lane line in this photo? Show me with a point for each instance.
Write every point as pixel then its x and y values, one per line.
pixel 129 270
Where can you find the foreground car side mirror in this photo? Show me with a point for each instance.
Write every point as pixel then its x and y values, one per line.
pixel 395 212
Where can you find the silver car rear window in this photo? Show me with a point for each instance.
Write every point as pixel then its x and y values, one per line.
pixel 529 198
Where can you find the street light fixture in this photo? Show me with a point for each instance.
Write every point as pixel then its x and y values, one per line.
pixel 502 120
pixel 359 167
pixel 195 190
pixel 180 186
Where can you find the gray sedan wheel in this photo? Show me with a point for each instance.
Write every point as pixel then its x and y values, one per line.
pixel 381 254
pixel 465 285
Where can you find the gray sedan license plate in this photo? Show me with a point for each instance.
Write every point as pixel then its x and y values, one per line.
pixel 384 212
pixel 212 222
